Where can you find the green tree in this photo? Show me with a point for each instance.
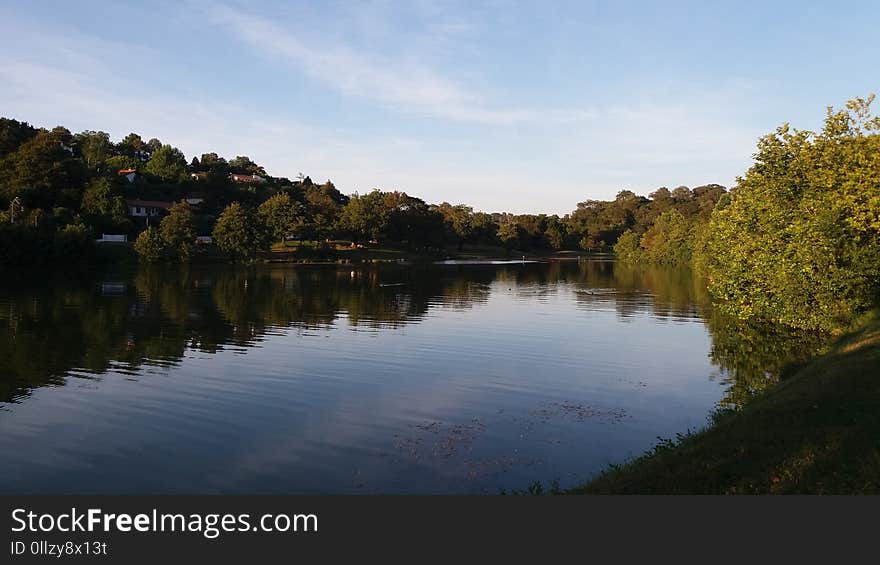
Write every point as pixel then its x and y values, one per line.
pixel 117 163
pixel 798 241
pixel 243 165
pixel 508 234
pixel 99 199
pixel 458 222
pixel 668 240
pixel 167 163
pixel 131 145
pixel 365 216
pixel 177 230
pixel 150 245
pixel 13 133
pixel 94 146
pixel 628 247
pixel 43 171
pixel 554 233
pixel 281 215
pixel 239 232
pixel 323 205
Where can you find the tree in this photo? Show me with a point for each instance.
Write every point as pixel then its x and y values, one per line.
pixel 411 220
pixel 131 145
pixel 281 216
pixel 323 205
pixel 167 163
pixel 150 245
pixel 99 199
pixel 243 165
pixel 508 234
pixel 668 240
pixel 554 232
pixel 798 241
pixel 94 146
pixel 239 233
pixel 13 133
pixel 119 162
pixel 458 222
pixel 628 247
pixel 177 230
pixel 364 217
pixel 43 171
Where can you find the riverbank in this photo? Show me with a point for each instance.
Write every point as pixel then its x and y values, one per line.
pixel 342 252
pixel 816 432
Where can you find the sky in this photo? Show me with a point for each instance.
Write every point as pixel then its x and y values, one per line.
pixel 504 106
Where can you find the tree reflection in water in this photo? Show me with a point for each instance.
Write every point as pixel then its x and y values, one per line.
pixel 155 315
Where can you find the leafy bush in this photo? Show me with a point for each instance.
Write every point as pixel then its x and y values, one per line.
pixel 150 245
pixel 799 241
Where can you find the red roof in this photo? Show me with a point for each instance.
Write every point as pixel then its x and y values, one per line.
pixel 127 171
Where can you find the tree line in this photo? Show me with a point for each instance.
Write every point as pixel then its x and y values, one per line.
pixel 797 241
pixel 56 182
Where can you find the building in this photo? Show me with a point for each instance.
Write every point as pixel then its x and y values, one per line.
pixel 246 178
pixel 129 174
pixel 195 198
pixel 147 208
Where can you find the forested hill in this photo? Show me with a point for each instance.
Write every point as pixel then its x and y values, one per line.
pixel 53 180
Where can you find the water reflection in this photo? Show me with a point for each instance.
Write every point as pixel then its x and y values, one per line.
pixel 593 359
pixel 155 316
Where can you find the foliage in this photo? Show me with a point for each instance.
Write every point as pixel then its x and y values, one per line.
pixel 508 234
pixel 177 232
pixel 628 247
pixel 94 146
pixel 149 245
pixel 239 234
pixel 668 240
pixel 799 241
pixel 281 216
pixel 43 171
pixel 24 247
pixel 99 199
pixel 364 217
pixel 167 163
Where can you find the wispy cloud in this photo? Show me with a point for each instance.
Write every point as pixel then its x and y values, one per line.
pixel 398 83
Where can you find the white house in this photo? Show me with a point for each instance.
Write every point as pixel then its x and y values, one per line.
pixel 246 178
pixel 147 208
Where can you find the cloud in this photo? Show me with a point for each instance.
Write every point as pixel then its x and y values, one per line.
pixel 394 82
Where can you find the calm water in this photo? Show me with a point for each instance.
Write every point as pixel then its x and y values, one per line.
pixel 429 379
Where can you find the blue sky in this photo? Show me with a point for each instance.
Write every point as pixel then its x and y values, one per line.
pixel 517 106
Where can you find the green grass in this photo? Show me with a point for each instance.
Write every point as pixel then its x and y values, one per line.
pixel 816 432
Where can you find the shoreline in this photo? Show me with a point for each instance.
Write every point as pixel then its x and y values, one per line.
pixel 815 432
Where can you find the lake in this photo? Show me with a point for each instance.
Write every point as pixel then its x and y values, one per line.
pixel 448 378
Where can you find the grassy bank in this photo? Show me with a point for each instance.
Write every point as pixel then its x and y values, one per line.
pixel 342 251
pixel 816 432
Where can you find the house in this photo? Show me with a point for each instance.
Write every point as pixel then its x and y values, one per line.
pixel 147 208
pixel 198 176
pixel 246 178
pixel 112 238
pixel 129 174
pixel 195 198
